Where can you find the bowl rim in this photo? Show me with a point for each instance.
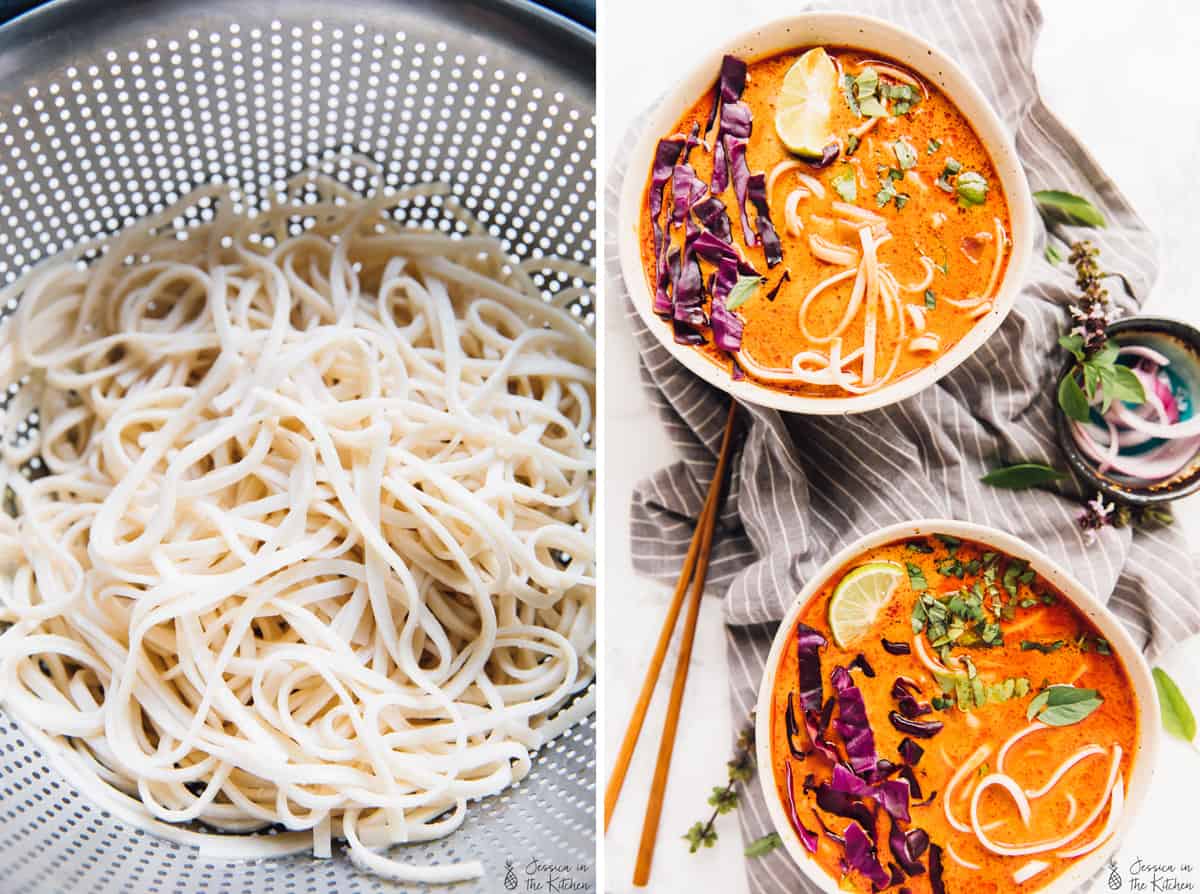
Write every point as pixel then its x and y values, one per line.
pixel 1149 732
pixel 1131 495
pixel 771 37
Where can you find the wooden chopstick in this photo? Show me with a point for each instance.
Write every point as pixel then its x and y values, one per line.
pixel 707 517
pixel 662 769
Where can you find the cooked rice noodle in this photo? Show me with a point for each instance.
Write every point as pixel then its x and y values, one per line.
pixel 1029 870
pixel 791 211
pixel 916 313
pixel 832 252
pixel 1115 809
pixel 965 769
pixel 1019 850
pixel 924 284
pixel 925 344
pixel 313 546
pixel 778 171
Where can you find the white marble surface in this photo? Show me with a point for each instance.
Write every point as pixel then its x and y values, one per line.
pixel 1118 74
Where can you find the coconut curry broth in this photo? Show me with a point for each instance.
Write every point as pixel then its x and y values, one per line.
pixel 959 242
pixel 1074 652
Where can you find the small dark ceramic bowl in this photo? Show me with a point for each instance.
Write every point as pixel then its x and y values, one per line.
pixel 1180 343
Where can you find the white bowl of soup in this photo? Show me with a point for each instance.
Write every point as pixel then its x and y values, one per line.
pixel 946 709
pixel 838 217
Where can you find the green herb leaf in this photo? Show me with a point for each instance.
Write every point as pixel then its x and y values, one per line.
pixel 949 541
pixel 934 146
pixel 916 577
pixel 1044 648
pixel 742 291
pixel 906 155
pixel 919 546
pixel 700 834
pixel 971 188
pixel 723 798
pixel 1022 475
pixel 848 86
pixel 930 299
pixel 866 84
pixel 1053 255
pixel 852 142
pixel 1072 399
pixel 872 108
pixel 1121 384
pixel 763 845
pixel 1063 704
pixel 1073 208
pixel 1177 715
pixel 1072 343
pixel 845 184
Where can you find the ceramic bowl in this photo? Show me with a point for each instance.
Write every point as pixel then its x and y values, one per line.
pixel 1180 343
pixel 834 29
pixel 1149 732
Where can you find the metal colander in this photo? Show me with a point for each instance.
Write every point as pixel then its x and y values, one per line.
pixel 110 111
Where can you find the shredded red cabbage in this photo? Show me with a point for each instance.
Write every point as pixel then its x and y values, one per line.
pixel 807 837
pixel 809 643
pixel 816 735
pixel 860 662
pixel 922 729
pixel 730 85
pixel 914 787
pixel 712 215
pixel 686 190
pixel 846 806
pixel 910 752
pixel 739 172
pixel 935 870
pixel 852 723
pixel 665 155
pixel 772 247
pixel 907 849
pixel 895 648
pixel 861 856
pixel 793 726
pixel 904 690
pixel 892 796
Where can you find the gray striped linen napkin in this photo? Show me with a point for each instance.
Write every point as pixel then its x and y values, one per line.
pixel 803 487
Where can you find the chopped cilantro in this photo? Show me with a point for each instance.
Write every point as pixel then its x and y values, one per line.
pixel 930 299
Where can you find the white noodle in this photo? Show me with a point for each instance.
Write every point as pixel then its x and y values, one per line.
pixel 314 546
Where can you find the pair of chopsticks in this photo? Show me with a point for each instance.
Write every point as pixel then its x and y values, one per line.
pixel 695 571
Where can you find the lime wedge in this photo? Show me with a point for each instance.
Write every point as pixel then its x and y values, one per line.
pixel 804 107
pixel 858 599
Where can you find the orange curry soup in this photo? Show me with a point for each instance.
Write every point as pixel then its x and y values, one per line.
pixel 1015 690
pixel 891 252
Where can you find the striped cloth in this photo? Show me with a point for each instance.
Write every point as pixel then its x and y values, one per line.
pixel 802 487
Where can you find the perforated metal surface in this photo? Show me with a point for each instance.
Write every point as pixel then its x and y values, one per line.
pixel 109 111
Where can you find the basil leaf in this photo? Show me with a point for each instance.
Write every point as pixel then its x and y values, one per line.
pixel 1044 648
pixel 1039 701
pixel 930 299
pixel 916 577
pixel 1053 255
pixel 1022 475
pixel 934 146
pixel 1121 382
pixel 848 93
pixel 742 291
pixel 763 845
pixel 872 108
pixel 1065 705
pixel 845 185
pixel 906 155
pixel 1177 716
pixel 866 84
pixel 1073 208
pixel 1072 343
pixel 1072 399
pixel 971 187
